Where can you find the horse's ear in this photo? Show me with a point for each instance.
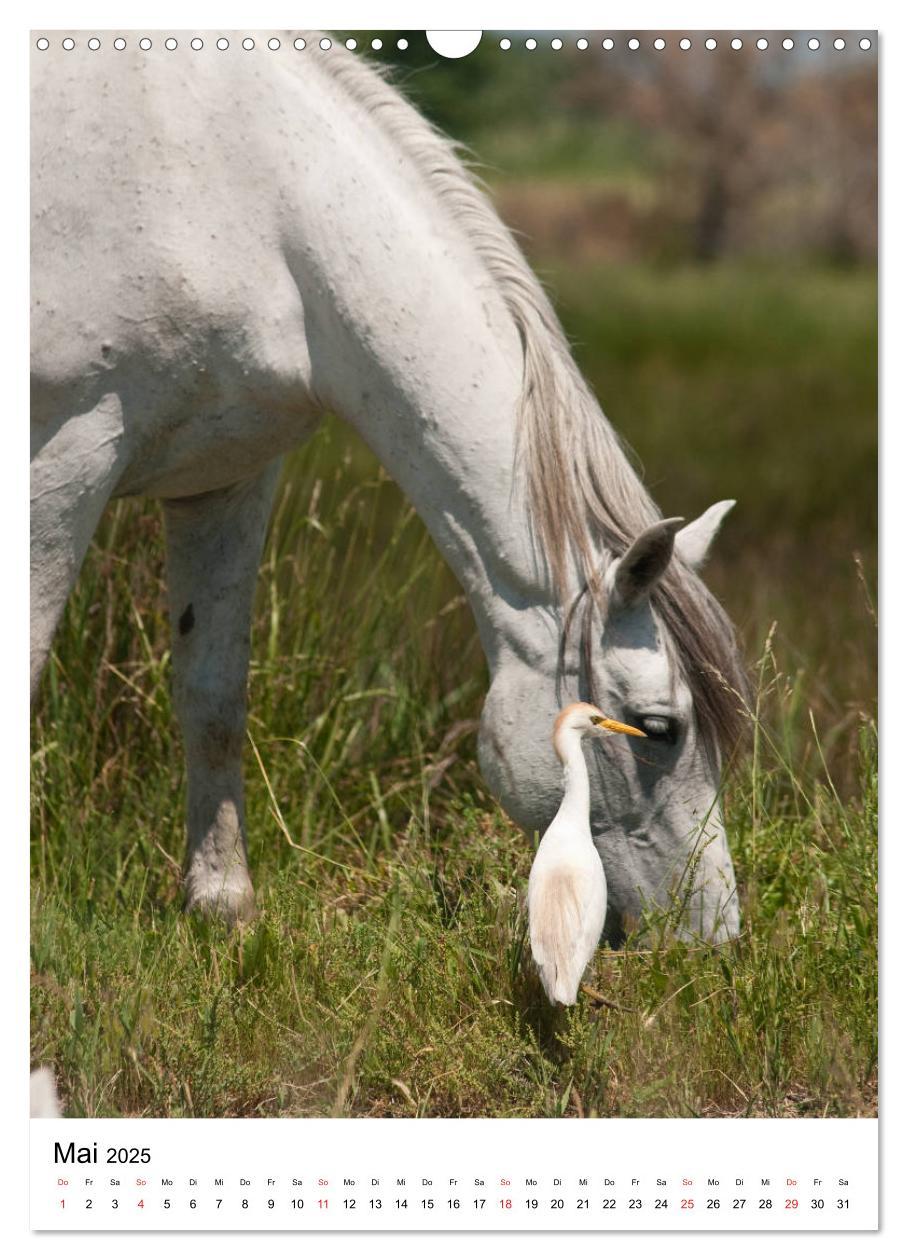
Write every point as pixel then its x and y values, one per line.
pixel 693 542
pixel 633 576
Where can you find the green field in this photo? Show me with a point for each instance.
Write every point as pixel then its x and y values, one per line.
pixel 389 972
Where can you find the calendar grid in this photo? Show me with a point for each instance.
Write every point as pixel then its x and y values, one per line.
pixel 448 1174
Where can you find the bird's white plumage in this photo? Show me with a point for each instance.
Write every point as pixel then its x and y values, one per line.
pixel 567 895
pixel 566 900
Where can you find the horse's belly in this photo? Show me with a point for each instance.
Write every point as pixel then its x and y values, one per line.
pixel 210 450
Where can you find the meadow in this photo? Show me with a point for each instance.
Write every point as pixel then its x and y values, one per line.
pixel 388 973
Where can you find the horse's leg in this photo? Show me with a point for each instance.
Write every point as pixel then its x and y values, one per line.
pixel 214 543
pixel 73 473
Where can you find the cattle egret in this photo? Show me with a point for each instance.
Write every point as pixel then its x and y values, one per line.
pixel 567 890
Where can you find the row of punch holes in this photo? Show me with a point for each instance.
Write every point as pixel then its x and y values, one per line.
pixel 531 44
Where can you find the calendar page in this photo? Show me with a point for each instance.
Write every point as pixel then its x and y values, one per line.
pixel 453 630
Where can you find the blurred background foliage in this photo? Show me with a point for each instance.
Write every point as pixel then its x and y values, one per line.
pixel 664 155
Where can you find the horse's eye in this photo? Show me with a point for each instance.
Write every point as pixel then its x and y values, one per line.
pixel 664 729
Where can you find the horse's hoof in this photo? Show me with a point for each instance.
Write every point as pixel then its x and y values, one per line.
pixel 232 904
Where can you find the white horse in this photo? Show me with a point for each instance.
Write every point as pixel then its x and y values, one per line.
pixel 226 245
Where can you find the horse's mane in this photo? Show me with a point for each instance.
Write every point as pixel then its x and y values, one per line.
pixel 585 500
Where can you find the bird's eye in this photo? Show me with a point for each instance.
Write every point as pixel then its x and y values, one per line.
pixel 664 729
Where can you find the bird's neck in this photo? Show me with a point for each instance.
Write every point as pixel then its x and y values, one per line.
pixel 575 779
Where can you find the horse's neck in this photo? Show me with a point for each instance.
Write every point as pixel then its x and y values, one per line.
pixel 413 346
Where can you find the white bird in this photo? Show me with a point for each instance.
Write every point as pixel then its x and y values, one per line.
pixel 567 892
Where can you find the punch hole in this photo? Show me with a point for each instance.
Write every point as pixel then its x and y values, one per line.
pixel 504 44
pixel 608 44
pixel 633 44
pixel 69 44
pixel 274 44
pixel 788 44
pixel 350 43
pixel 119 43
pixel 711 44
pixel 531 44
pixel 196 43
pixel 557 45
pixel 737 44
pixel 659 44
pixel 170 44
pixel 145 43
pixel 583 44
pixel 94 43
pixel 223 43
pixel 299 43
pixel 377 44
pixel 324 44
pixel 684 44
pixel 453 44
pixel 813 44
pixel 403 44
pixel 865 43
pixel 248 44
pixel 42 44
pixel 838 44
pixel 762 44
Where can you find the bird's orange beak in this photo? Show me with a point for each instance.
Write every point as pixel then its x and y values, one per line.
pixel 618 728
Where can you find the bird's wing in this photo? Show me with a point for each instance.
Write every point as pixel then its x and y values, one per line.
pixel 566 902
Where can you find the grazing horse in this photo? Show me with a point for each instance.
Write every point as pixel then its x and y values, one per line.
pixel 226 245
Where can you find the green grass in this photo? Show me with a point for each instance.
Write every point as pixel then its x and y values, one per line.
pixel 389 973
